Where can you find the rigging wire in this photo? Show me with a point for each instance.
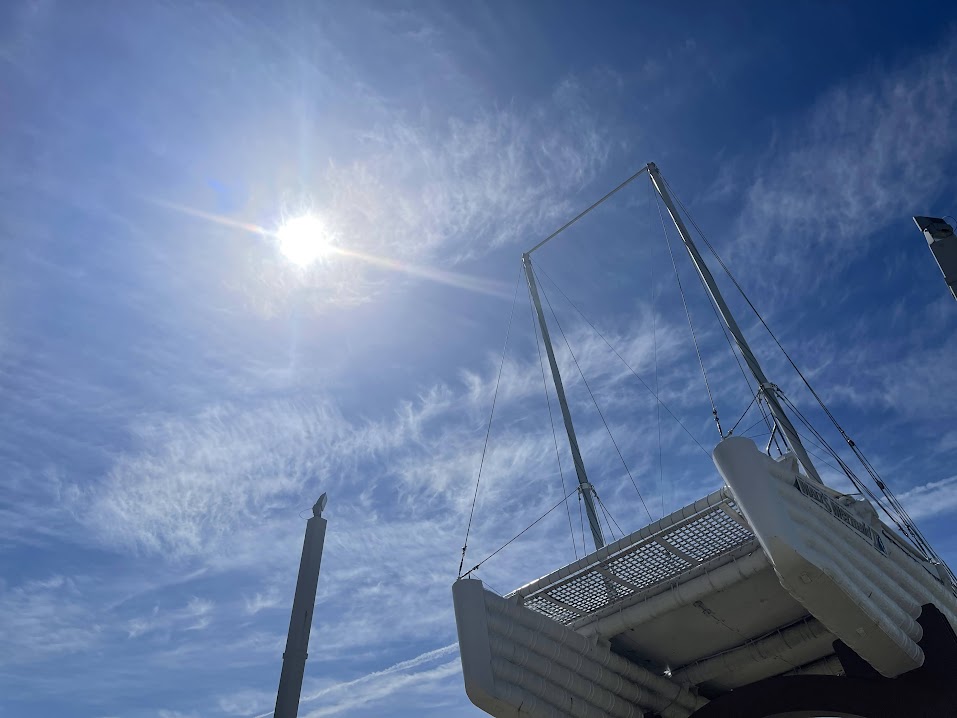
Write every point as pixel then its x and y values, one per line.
pixel 902 520
pixel 488 429
pixel 737 358
pixel 539 268
pixel 581 516
pixel 858 484
pixel 595 402
pixel 822 459
pixel 753 399
pixel 519 534
pixel 905 518
pixel 745 432
pixel 604 508
pixel 654 336
pixel 711 302
pixel 572 221
pixel 684 302
pixel 551 420
pixel 735 351
pixel 604 513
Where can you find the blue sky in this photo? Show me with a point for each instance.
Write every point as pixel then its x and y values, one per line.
pixel 176 394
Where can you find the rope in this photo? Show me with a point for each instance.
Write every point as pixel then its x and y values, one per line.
pixel 551 420
pixel 520 533
pixel 488 429
pixel 684 302
pixel 595 401
pixel 538 268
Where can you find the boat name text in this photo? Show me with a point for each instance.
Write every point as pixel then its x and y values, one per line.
pixel 839 512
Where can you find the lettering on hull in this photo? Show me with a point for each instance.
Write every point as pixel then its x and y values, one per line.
pixel 841 513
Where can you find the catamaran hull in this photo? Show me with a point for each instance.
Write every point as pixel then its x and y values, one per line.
pixel 837 559
pixel 757 580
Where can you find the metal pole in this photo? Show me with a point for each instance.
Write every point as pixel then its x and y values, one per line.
pixel 586 488
pixel 300 622
pixel 765 387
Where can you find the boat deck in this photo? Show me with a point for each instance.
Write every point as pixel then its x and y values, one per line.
pixel 691 595
pixel 698 535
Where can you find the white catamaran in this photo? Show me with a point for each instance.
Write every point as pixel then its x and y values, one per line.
pixel 833 611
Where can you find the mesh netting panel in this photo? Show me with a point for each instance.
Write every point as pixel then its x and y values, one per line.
pixel 708 535
pixel 588 592
pixel 542 605
pixel 649 564
pixel 644 564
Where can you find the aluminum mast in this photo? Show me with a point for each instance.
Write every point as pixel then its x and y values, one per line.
pixel 766 389
pixel 585 487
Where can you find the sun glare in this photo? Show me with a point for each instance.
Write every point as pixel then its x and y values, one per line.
pixel 304 240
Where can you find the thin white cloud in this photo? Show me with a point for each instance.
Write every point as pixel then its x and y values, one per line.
pixel 219 488
pixel 426 682
pixel 197 483
pixel 262 601
pixel 379 685
pixel 399 667
pixel 195 615
pixel 223 488
pixel 936 498
pixel 869 152
pixel 45 618
pixel 421 192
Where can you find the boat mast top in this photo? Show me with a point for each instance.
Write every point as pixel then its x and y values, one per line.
pixel 765 388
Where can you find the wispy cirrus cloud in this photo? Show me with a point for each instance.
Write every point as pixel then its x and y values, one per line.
pixel 45 618
pixel 418 172
pixel 217 494
pixel 173 419
pixel 262 601
pixel 870 151
pixel 421 193
pixel 191 483
pixel 194 616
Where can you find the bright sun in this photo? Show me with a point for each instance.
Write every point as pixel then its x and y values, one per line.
pixel 304 240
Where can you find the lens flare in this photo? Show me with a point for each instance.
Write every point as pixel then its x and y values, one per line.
pixel 304 240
